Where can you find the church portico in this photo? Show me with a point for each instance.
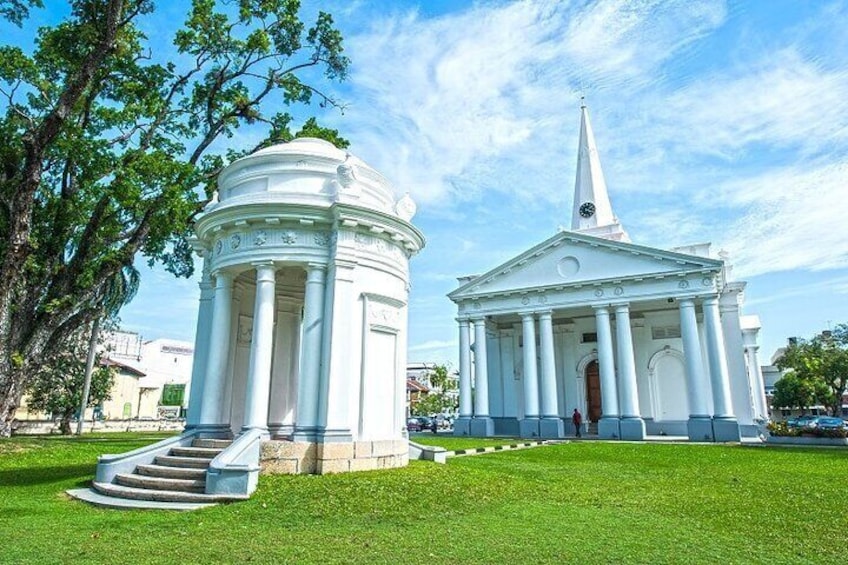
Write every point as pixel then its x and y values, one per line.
pixel 642 341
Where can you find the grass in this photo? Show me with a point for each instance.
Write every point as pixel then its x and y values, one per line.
pixel 587 502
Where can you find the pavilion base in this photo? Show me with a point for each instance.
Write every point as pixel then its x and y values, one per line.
pixel 700 428
pixel 483 426
pixel 726 429
pixel 280 457
pixel 529 427
pixel 551 428
pixel 608 428
pixel 462 426
pixel 632 429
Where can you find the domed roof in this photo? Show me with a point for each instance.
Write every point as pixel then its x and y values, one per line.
pixel 308 171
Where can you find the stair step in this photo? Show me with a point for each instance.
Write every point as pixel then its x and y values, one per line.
pixel 166 472
pixel 159 483
pixel 133 493
pixel 214 443
pixel 174 461
pixel 91 496
pixel 206 452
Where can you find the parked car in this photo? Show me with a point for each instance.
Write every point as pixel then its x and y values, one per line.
pixel 413 425
pixel 807 421
pixel 426 422
pixel 830 423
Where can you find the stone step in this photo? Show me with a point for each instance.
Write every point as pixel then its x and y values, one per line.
pixel 206 452
pixel 159 483
pixel 214 443
pixel 133 493
pixel 91 496
pixel 185 462
pixel 171 472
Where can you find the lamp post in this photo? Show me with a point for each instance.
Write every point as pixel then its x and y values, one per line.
pixel 89 367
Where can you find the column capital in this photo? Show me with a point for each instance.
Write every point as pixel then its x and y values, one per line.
pixel 621 308
pixel 480 319
pixel 525 315
pixel 601 310
pixel 687 302
pixel 223 278
pixel 315 267
pixel 265 271
pixel 711 300
pixel 548 314
pixel 462 321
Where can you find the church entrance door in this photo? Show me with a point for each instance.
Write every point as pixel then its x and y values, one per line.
pixel 593 391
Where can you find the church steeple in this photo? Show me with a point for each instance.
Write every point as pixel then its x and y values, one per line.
pixel 592 211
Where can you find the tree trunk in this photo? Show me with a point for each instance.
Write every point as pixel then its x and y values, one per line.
pixel 65 424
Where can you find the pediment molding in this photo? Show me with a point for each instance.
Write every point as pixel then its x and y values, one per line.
pixel 646 263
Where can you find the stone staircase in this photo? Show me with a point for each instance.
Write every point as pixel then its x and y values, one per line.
pixel 176 481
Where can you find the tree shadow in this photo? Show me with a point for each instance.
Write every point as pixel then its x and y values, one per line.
pixel 44 475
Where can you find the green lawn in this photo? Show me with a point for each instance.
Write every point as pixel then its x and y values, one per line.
pixel 589 502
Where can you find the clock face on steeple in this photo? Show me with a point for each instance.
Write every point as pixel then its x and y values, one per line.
pixel 587 209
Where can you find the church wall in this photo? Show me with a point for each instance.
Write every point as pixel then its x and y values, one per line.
pixel 495 371
pixel 509 406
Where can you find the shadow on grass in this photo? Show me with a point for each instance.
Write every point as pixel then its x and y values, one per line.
pixel 45 475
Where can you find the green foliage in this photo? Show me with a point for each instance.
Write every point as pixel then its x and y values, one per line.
pixel 591 502
pixel 818 371
pixel 58 387
pixel 109 144
pixel 438 400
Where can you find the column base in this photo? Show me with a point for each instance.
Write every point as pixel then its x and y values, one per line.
pixel 309 434
pixel 529 428
pixel 632 429
pixel 726 429
pixel 700 428
pixel 279 431
pixel 551 428
pixel 483 426
pixel 213 431
pixel 462 426
pixel 608 428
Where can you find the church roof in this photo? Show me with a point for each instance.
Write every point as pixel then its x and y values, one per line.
pixel 576 259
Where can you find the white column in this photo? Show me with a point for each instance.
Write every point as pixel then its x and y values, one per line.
pixel 481 373
pixel 606 365
pixel 719 378
pixel 258 395
pixel 201 347
pixel 531 378
pixel 628 395
pixel 692 357
pixel 219 349
pixel 465 409
pixel 306 418
pixel 755 377
pixel 550 407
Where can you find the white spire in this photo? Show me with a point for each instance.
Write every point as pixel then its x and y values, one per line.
pixel 592 211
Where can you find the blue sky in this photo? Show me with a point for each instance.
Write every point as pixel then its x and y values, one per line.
pixel 721 122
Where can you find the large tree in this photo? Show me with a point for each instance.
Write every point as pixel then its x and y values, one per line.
pixel 58 386
pixel 109 144
pixel 818 366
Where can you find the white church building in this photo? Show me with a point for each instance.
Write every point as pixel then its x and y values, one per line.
pixel 642 341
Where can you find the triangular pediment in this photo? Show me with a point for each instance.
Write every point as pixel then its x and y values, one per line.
pixel 570 258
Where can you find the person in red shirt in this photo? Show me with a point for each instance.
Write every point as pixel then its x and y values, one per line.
pixel 577 420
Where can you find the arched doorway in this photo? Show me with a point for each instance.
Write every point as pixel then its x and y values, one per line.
pixel 593 391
